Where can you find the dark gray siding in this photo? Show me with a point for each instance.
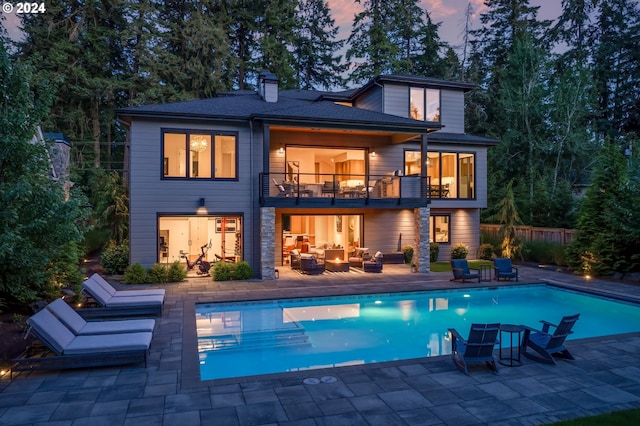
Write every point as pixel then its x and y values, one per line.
pixel 396 100
pixel 150 195
pixel 372 100
pixel 452 106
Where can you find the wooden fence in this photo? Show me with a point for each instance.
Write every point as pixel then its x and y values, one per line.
pixel 530 233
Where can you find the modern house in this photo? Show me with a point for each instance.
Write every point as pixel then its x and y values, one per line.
pixel 257 173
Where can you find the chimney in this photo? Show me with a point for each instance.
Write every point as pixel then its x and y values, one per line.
pixel 268 86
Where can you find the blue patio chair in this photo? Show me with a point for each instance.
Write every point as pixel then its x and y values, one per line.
pixel 503 268
pixel 461 270
pixel 548 345
pixel 478 348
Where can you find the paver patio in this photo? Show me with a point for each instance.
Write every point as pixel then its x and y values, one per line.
pixel 428 391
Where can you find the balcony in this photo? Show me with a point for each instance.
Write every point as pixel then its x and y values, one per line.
pixel 350 191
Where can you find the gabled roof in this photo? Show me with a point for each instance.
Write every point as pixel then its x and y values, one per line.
pixel 414 80
pixel 293 106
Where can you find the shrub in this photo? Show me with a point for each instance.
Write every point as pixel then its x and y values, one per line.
pixel 115 258
pixel 459 251
pixel 135 274
pixel 157 274
pixel 242 271
pixel 222 271
pixel 176 273
pixel 544 252
pixel 408 254
pixel 434 251
pixel 485 251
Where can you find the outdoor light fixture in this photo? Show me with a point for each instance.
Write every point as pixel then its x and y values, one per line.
pixel 373 154
pixel 198 143
pixel 281 151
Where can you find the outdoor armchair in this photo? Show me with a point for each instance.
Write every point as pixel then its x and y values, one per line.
pixel 477 348
pixel 503 268
pixel 461 271
pixel 545 345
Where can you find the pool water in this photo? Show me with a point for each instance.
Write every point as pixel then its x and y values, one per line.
pixel 251 338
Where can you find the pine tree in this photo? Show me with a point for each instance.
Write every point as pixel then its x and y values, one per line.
pixel 428 61
pixel 317 61
pixel 276 35
pixel 407 28
pixel 370 43
pixel 616 68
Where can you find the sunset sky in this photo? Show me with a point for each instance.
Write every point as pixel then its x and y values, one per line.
pixel 449 12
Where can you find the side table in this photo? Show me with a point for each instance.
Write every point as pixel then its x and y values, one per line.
pixel 485 271
pixel 512 330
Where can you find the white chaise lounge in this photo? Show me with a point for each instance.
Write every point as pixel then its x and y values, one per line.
pixel 78 326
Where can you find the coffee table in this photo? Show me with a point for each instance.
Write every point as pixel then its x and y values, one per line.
pixel 336 265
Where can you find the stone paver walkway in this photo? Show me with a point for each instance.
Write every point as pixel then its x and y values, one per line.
pixel 429 391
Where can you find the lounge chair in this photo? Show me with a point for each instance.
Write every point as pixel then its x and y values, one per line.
pixel 477 348
pixel 461 271
pixel 546 345
pixel 112 291
pixel 374 264
pixel 119 304
pixel 78 326
pixel 502 268
pixel 63 349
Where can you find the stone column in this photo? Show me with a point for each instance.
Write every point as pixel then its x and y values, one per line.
pixel 267 242
pixel 421 253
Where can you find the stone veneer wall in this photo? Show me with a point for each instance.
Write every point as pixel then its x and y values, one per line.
pixel 421 249
pixel 267 242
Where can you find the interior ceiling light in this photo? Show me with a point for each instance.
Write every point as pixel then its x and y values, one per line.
pixel 199 143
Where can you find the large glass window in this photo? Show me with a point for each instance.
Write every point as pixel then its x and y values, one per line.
pixel 192 154
pixel 451 174
pixel 182 237
pixel 439 225
pixel 424 104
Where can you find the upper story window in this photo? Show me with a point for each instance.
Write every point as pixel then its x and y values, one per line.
pixel 199 155
pixel 451 174
pixel 424 104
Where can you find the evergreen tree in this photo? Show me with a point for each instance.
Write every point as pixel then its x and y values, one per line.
pixel 605 239
pixel 370 43
pixel 192 53
pixel 406 28
pixel 317 62
pixel 77 45
pixel 616 68
pixel 428 61
pixel 276 34
pixel 37 225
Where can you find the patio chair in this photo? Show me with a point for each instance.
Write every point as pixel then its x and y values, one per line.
pixel 374 264
pixel 62 349
pixel 78 326
pixel 546 345
pixel 112 291
pixel 282 190
pixel 311 266
pixel 461 271
pixel 502 268
pixel 477 348
pixel 295 259
pixel 119 304
pixel 359 255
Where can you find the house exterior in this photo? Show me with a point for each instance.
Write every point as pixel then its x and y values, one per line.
pixel 258 173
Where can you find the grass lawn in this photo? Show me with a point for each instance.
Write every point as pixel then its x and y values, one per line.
pixel 446 266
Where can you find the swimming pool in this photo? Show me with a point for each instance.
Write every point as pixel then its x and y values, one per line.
pixel 252 338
